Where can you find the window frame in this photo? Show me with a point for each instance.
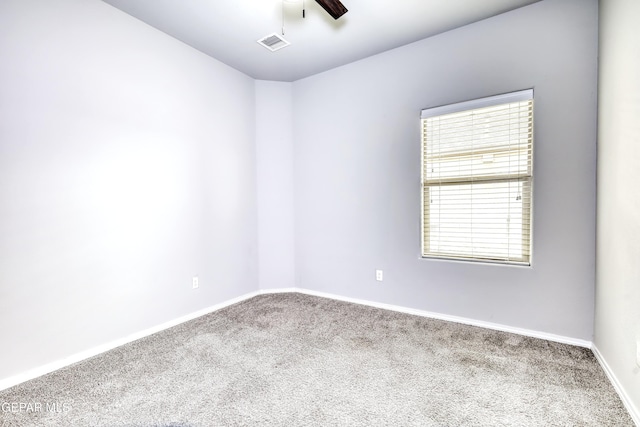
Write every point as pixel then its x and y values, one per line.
pixel 528 186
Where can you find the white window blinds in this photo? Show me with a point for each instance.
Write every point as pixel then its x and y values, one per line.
pixel 476 179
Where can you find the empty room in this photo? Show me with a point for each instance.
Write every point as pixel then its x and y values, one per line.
pixel 319 213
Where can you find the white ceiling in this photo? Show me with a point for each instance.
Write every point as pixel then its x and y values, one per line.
pixel 228 29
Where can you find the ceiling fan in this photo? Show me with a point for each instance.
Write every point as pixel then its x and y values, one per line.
pixel 274 41
pixel 335 8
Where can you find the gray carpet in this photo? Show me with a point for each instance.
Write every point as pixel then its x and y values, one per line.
pixel 298 360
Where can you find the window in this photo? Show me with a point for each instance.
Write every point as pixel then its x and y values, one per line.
pixel 477 170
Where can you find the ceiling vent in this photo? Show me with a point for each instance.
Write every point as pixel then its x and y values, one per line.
pixel 273 42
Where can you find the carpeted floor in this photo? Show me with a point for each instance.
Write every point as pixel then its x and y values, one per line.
pixel 298 360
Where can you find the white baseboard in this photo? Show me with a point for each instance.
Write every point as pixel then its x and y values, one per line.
pixel 456 319
pixel 59 364
pixel 277 291
pixel 53 366
pixel 628 403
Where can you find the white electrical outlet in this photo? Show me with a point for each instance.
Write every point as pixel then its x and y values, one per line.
pixel 195 282
pixel 379 275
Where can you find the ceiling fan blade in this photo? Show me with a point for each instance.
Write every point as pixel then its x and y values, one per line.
pixel 335 8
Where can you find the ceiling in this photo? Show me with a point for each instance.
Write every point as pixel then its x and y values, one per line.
pixel 228 29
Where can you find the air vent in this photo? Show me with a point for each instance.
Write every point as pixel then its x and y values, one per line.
pixel 273 42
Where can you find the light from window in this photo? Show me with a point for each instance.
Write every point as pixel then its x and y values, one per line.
pixel 477 171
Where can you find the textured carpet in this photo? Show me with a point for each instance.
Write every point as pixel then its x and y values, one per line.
pixel 298 360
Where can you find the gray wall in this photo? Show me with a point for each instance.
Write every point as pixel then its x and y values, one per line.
pixel 617 321
pixel 357 170
pixel 127 166
pixel 274 148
